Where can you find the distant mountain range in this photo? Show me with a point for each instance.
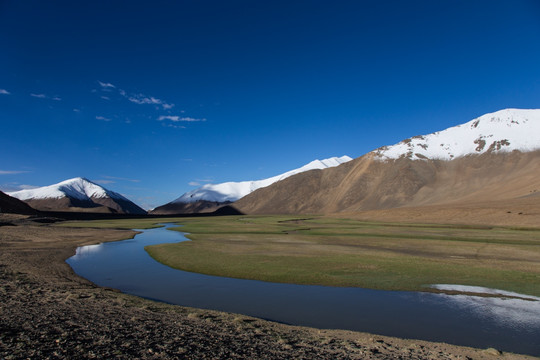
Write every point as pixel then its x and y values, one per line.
pixel 210 197
pixel 77 194
pixel 493 157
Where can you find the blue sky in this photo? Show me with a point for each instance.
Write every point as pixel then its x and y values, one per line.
pixel 151 98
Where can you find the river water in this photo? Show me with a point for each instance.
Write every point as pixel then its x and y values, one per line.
pixel 505 324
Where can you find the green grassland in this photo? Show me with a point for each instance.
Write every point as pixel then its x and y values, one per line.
pixel 342 252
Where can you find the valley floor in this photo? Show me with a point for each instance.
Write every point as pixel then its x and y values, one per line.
pixel 47 311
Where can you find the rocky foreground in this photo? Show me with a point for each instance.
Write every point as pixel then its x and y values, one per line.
pixel 47 311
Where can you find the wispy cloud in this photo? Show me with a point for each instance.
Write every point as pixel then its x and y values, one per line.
pixel 12 172
pixel 106 85
pixel 4 92
pixel 174 126
pixel 104 182
pixel 143 99
pixel 120 178
pixel 43 96
pixel 102 118
pixel 140 99
pixel 10 187
pixel 27 187
pixel 199 182
pixel 178 118
pixel 77 110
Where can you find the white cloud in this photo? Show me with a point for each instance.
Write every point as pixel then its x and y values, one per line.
pixel 143 99
pixel 103 118
pixel 168 117
pixel 174 126
pixel 12 172
pixel 43 96
pixel 178 118
pixel 27 187
pixel 105 85
pixel 191 119
pixel 199 182
pixel 120 178
pixel 106 98
pixel 10 187
pixel 139 99
pixel 77 110
pixel 4 92
pixel 104 182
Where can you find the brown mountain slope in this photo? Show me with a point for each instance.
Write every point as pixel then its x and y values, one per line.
pixel 12 205
pixel 521 212
pixel 369 184
pixel 68 204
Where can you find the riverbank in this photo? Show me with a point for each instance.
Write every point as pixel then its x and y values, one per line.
pixel 47 311
pixel 320 250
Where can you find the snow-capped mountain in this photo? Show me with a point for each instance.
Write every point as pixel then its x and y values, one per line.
pixel 232 191
pixel 495 157
pixel 77 193
pixel 502 131
pixel 211 196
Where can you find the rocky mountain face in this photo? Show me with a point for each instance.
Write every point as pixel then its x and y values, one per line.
pixel 493 157
pixel 77 194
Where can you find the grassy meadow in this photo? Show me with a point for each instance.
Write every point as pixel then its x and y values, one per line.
pixel 342 252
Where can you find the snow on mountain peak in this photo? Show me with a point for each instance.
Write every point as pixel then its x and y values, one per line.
pixel 232 191
pixel 502 131
pixel 78 188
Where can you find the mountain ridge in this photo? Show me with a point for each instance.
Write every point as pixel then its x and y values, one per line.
pixel 394 176
pixel 504 130
pixel 77 194
pixel 211 197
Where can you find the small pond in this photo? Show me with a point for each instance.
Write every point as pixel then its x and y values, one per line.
pixel 506 324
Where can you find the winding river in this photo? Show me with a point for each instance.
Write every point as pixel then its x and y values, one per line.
pixel 507 324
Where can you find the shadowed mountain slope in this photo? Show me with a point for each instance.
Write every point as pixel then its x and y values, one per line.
pixel 9 204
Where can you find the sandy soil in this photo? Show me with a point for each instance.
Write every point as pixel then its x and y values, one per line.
pixel 46 311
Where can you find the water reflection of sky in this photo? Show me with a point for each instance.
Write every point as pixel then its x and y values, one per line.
pixel 508 307
pixel 88 250
pixel 507 324
pixel 513 312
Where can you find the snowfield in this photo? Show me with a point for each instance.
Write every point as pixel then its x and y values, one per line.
pixel 505 130
pixel 78 188
pixel 232 191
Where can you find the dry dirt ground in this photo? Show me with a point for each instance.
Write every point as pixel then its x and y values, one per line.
pixel 523 212
pixel 46 311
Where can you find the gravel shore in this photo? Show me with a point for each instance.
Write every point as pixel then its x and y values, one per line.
pixel 47 311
